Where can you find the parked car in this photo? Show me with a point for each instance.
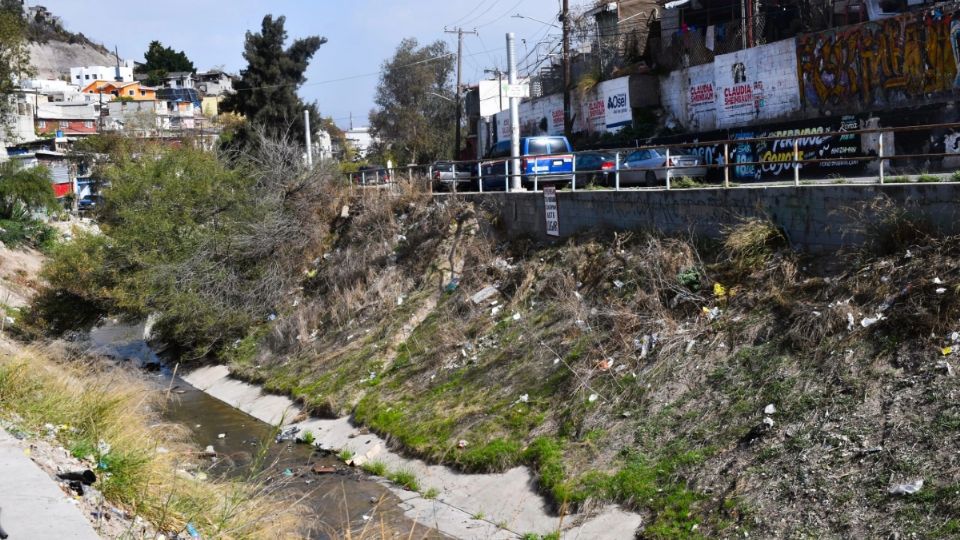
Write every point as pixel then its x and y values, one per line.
pixel 371 174
pixel 451 176
pixel 595 168
pixel 548 159
pixel 88 203
pixel 645 167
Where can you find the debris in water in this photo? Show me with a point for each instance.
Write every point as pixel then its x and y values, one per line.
pixel 209 451
pixel 322 469
pixel 288 434
pixel 906 489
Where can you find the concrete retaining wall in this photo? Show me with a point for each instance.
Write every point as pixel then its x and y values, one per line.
pixel 816 218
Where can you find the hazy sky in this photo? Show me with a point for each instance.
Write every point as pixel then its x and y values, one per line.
pixel 361 33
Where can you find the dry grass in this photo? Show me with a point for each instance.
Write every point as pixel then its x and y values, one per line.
pixel 751 243
pixel 148 462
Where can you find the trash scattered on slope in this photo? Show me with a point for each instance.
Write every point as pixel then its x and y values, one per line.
pixel 937 281
pixel 770 409
pixel 287 472
pixel 452 286
pixel 516 316
pixel 592 398
pixel 850 321
pixel 222 436
pixel 462 443
pixel 870 321
pixel 484 294
pixel 946 351
pixel 192 531
pixel 288 434
pixel 618 284
pixel 944 365
pixel 719 291
pixel 941 290
pixel 525 398
pixel 906 489
pixel 604 365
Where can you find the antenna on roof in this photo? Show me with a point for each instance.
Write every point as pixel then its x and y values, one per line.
pixel 116 55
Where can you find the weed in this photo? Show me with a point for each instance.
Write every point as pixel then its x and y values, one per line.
pixel 345 455
pixel 375 468
pixel 955 177
pixel 751 244
pixel 479 515
pixel 496 455
pixel 686 183
pixel 431 493
pixel 928 178
pixel 308 438
pixel 840 181
pixel 405 479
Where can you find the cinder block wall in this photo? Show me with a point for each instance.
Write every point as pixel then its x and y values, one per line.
pixel 816 219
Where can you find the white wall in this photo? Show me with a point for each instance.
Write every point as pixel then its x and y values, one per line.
pixel 758 84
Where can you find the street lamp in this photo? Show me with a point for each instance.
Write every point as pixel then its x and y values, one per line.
pixel 519 16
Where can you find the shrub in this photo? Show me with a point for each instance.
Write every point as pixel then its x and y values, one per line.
pixel 751 244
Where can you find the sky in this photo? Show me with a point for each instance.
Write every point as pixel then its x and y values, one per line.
pixel 361 35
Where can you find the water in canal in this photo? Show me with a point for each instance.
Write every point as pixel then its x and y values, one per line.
pixel 331 501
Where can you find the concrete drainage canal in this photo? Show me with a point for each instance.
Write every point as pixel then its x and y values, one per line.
pixel 338 498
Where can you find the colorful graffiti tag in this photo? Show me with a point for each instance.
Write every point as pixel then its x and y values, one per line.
pixel 881 63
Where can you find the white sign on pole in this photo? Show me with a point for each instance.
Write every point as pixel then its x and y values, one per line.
pixel 551 211
pixel 520 90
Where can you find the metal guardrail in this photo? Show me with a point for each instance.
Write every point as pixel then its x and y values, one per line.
pixel 576 176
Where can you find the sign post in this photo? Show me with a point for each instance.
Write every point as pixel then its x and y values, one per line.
pixel 551 212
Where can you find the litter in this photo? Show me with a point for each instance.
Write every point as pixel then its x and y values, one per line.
pixel 192 531
pixel 86 477
pixel 453 285
pixel 462 443
pixel 209 451
pixel 944 365
pixel 287 472
pixel 288 434
pixel 525 398
pixel 937 281
pixel 322 469
pixel 850 321
pixel 906 489
pixel 556 361
pixel 495 310
pixel 103 447
pixel 769 409
pixel 767 421
pixel 399 300
pixel 484 294
pixel 690 345
pixel 870 321
pixel 941 290
pixel 222 436
pixel 719 291
pixel 272 317
pixel 604 365
pixel 592 398
pixel 618 284
pixel 516 316
pixel 946 351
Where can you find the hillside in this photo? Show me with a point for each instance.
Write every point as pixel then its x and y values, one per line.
pixel 54 50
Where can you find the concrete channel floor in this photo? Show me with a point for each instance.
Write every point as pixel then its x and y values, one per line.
pixel 32 506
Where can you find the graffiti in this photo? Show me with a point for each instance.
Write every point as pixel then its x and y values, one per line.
pixel 880 63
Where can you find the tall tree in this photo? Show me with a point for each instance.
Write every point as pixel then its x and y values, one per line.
pixel 416 111
pixel 160 60
pixel 266 94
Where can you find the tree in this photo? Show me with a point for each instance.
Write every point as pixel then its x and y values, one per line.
pixel 24 190
pixel 266 94
pixel 160 60
pixel 14 59
pixel 416 111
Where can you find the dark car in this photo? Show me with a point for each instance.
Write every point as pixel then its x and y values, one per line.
pixel 597 168
pixel 88 203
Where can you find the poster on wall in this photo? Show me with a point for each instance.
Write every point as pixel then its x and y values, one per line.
pixel 756 84
pixel 616 101
pixel 551 212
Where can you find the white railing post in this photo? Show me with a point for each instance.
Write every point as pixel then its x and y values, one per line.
pixel 453 167
pixel 616 171
pixel 480 176
pixel 880 155
pixel 726 165
pixel 363 178
pixel 668 169
pixel 573 183
pixel 796 162
pixel 506 176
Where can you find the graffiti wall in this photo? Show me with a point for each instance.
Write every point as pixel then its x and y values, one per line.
pixel 895 61
pixel 740 88
pixel 773 158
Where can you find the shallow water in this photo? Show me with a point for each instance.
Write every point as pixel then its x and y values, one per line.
pixel 332 502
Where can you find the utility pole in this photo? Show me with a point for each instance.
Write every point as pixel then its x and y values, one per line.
pixel 567 118
pixel 514 115
pixel 459 32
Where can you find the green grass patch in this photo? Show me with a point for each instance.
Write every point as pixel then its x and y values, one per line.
pixel 345 455
pixel 405 479
pixel 431 493
pixel 375 468
pixel 495 455
pixel 928 178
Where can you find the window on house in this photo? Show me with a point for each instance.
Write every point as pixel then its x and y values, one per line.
pixel 78 76
pixel 42 124
pixel 131 92
pixel 87 77
pixel 64 124
pixel 88 124
pixel 143 92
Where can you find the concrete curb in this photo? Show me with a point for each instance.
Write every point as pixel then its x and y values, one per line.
pixel 33 505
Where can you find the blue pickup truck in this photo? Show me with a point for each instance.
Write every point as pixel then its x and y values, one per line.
pixel 548 158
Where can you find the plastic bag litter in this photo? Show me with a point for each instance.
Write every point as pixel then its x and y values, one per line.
pixel 906 489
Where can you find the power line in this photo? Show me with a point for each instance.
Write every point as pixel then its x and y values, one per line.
pixel 471 12
pixel 500 18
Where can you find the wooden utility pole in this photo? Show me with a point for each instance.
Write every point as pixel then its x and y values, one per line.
pixel 567 117
pixel 460 32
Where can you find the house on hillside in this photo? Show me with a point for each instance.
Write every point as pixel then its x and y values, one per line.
pixel 66 119
pixel 84 75
pixel 131 91
pixel 179 79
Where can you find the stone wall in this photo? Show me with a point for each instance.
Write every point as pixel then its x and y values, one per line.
pixel 815 218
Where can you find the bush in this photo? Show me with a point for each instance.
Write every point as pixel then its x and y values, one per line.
pixel 751 244
pixel 27 232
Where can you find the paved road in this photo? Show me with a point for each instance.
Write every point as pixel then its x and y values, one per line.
pixel 33 506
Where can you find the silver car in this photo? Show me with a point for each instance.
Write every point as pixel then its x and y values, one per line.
pixel 444 177
pixel 645 167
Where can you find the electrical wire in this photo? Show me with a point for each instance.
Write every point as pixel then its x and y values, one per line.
pixel 500 18
pixel 469 13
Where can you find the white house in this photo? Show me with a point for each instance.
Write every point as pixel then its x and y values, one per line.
pixel 82 76
pixel 360 139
